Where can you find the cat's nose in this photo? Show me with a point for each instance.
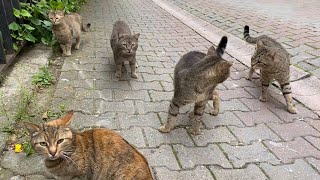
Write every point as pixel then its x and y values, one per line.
pixel 53 151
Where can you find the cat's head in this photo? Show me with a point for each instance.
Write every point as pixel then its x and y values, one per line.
pixel 53 139
pixel 55 16
pixel 220 71
pixel 264 56
pixel 128 44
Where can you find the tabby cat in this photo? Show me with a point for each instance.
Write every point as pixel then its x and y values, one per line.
pixel 124 46
pixel 196 76
pixel 96 154
pixel 65 28
pixel 274 63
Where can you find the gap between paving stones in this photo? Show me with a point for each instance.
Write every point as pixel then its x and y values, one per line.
pixel 305 92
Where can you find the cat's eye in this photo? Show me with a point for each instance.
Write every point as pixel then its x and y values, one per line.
pixel 124 45
pixel 43 143
pixel 60 141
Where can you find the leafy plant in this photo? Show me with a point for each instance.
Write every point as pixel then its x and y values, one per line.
pixel 8 128
pixel 27 148
pixel 43 78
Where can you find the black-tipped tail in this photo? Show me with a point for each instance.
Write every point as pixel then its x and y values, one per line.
pixel 86 27
pixel 246 31
pixel 222 45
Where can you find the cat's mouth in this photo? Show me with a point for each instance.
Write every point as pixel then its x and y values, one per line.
pixel 52 158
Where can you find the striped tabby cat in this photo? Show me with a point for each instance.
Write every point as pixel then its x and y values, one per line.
pixel 274 63
pixel 95 154
pixel 196 76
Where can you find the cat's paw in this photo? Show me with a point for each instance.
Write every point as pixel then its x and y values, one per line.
pixel 292 109
pixel 118 74
pixel 77 47
pixel 214 112
pixel 67 54
pixel 262 99
pixel 163 129
pixel 248 78
pixel 134 75
pixel 195 131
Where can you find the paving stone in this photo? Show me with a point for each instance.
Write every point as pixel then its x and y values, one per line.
pixel 160 95
pixel 167 86
pixel 146 107
pixel 36 177
pixel 17 178
pixel 69 75
pixel 105 94
pixel 256 105
pixel 158 77
pixel 256 152
pixel 303 113
pixel 257 117
pixel 292 130
pixel 300 170
pixel 155 85
pixel 315 62
pixel 315 141
pixel 163 70
pixel 96 75
pixel 256 134
pixel 66 83
pixel 176 136
pixel 314 162
pixel 101 84
pixel 251 172
pixel 162 156
pixel 220 134
pixel 288 151
pixel 234 94
pixel 192 156
pixel 226 119
pixel 133 136
pixel 146 120
pixel 234 84
pixel 200 172
pixel 107 106
pixel 121 95
pixel 5 174
pixel 314 123
pixel 231 105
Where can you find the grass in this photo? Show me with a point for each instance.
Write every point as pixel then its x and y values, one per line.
pixel 26 97
pixel 43 78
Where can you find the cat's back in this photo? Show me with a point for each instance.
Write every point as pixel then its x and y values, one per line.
pixel 188 60
pixel 114 155
pixel 121 27
pixel 73 18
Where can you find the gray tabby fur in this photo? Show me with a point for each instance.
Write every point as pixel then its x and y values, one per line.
pixel 124 46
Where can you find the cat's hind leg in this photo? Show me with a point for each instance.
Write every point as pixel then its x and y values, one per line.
pixel 172 116
pixel 286 91
pixel 77 46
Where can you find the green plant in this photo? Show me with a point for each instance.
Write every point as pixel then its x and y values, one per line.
pixel 43 78
pixel 8 128
pixel 26 97
pixel 27 148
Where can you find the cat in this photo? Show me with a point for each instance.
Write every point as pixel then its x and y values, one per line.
pixel 65 28
pixel 124 46
pixel 274 63
pixel 196 76
pixel 95 154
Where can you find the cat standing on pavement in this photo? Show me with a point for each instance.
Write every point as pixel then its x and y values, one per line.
pixel 196 76
pixel 95 154
pixel 274 63
pixel 65 28
pixel 124 46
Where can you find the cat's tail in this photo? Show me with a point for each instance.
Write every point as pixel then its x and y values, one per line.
pixel 247 36
pixel 86 27
pixel 222 46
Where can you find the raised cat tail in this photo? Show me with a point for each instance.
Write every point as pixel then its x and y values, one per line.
pixel 222 46
pixel 85 28
pixel 247 36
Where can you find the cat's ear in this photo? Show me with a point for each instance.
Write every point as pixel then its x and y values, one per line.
pixel 136 36
pixel 32 128
pixel 211 51
pixel 64 121
pixel 260 44
pixel 226 65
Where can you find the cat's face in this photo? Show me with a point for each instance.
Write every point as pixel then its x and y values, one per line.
pixel 56 17
pixel 53 140
pixel 263 57
pixel 128 44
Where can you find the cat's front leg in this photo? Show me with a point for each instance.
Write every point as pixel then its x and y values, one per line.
pixel 63 48
pixel 286 91
pixel 249 76
pixel 133 69
pixel 118 71
pixel 77 46
pixel 265 81
pixel 68 49
pixel 172 117
pixel 196 118
pixel 216 103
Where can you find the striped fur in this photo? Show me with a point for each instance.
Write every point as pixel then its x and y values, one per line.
pixel 274 63
pixel 195 77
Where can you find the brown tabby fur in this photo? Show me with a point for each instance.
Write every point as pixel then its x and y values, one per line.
pixel 196 76
pixel 65 28
pixel 274 63
pixel 124 46
pixel 96 154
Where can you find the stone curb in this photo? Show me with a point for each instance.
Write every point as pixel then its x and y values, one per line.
pixel 306 88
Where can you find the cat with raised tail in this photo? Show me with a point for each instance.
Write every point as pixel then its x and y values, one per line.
pixel 124 46
pixel 66 28
pixel 196 76
pixel 274 63
pixel 95 154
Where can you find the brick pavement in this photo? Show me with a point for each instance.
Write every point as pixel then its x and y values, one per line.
pixel 295 23
pixel 247 140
